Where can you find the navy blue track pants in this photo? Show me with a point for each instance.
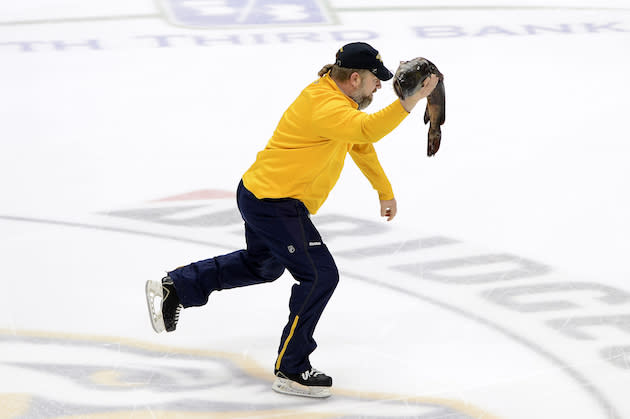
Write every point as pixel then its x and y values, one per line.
pixel 279 235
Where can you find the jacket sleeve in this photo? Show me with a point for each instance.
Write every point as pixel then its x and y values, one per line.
pixel 338 121
pixel 364 155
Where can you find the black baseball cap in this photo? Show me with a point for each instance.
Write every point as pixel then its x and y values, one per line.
pixel 360 55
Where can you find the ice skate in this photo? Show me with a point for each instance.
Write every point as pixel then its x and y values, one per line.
pixel 164 313
pixel 311 383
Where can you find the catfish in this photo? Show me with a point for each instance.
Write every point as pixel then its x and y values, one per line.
pixel 408 79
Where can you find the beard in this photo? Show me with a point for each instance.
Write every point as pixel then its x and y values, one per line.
pixel 363 101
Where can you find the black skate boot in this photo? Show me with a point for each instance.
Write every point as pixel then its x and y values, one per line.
pixel 310 383
pixel 165 313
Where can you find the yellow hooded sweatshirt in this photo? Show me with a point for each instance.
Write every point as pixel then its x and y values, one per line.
pixel 304 157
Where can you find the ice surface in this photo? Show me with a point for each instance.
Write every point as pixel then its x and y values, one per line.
pixel 499 291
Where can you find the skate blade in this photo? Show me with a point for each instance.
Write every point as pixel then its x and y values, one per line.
pixel 153 290
pixel 286 386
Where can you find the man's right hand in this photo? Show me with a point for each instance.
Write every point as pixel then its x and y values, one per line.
pixel 427 87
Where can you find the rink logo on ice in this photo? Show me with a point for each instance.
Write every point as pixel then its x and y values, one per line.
pixel 66 375
pixel 230 13
pixel 518 298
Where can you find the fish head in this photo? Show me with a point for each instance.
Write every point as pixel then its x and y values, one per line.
pixel 411 75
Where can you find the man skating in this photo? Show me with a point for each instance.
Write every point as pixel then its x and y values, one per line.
pixel 290 180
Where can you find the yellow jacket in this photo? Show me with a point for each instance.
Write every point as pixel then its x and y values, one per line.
pixel 304 157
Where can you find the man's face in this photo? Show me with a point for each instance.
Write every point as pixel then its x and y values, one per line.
pixel 364 94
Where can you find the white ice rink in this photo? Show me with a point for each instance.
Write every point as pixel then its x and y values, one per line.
pixel 500 291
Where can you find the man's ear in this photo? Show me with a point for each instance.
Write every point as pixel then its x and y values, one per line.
pixel 355 79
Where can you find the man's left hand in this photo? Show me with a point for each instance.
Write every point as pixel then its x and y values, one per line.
pixel 388 209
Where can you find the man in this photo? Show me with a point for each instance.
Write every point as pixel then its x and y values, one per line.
pixel 290 180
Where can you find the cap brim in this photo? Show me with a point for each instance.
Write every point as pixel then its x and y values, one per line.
pixel 383 73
